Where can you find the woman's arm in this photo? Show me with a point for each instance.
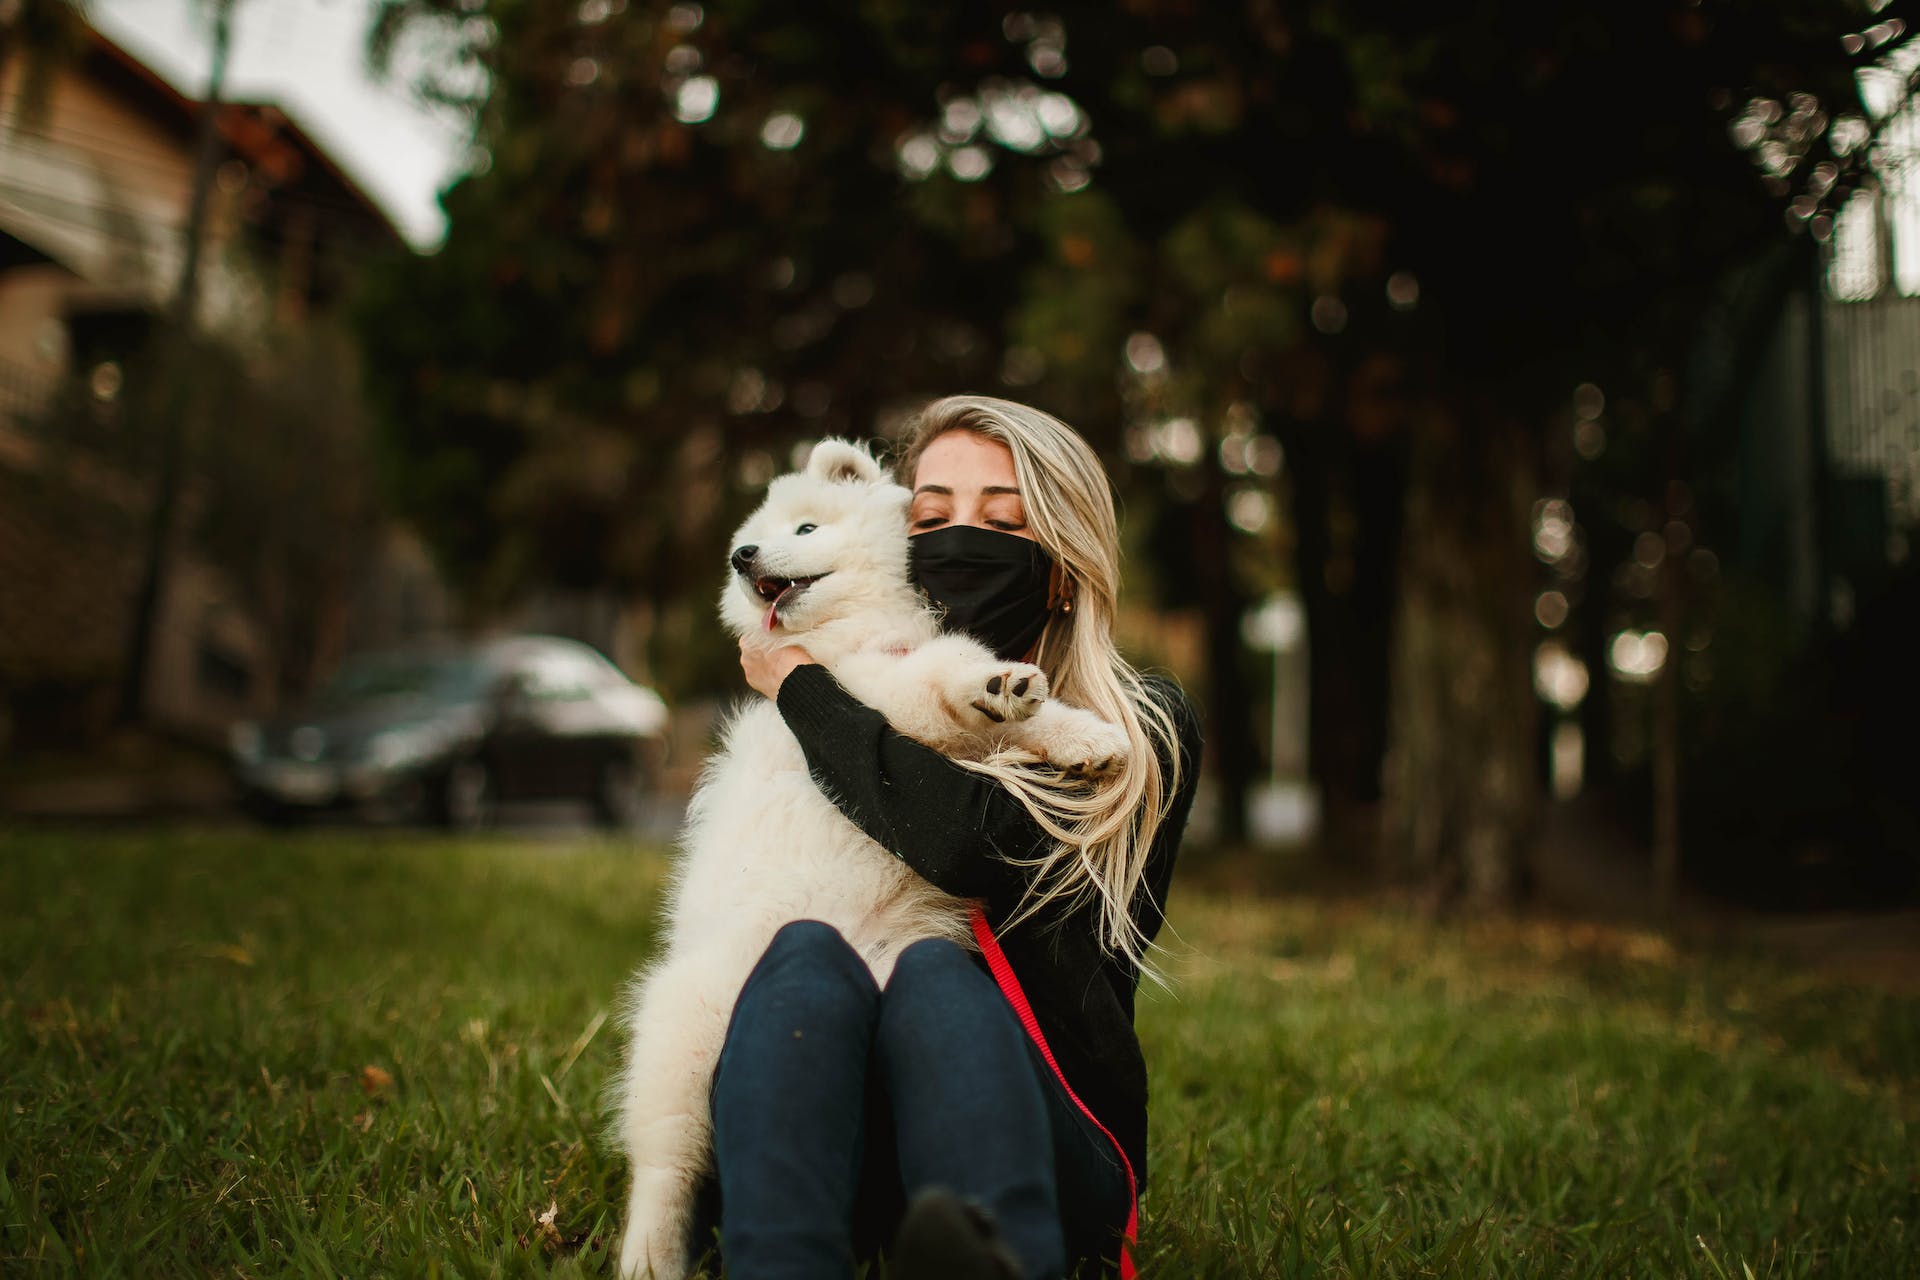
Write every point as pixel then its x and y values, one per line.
pixel 953 826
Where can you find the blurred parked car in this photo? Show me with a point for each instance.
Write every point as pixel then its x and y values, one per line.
pixel 450 730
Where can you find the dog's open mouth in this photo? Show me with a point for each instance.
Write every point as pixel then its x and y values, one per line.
pixel 781 591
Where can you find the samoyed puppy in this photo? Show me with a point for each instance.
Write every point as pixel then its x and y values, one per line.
pixel 823 564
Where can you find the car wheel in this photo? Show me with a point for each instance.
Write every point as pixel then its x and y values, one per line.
pixel 618 797
pixel 466 796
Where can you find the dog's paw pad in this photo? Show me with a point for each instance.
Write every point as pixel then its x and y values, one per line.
pixel 1011 693
pixel 1093 770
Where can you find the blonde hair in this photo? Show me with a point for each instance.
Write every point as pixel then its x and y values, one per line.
pixel 1103 834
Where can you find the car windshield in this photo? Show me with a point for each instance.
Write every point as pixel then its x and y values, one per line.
pixel 380 676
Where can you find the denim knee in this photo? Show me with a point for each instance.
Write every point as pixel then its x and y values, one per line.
pixel 814 950
pixel 933 979
pixel 929 959
pixel 804 937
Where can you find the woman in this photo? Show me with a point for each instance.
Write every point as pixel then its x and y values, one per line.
pixel 834 1101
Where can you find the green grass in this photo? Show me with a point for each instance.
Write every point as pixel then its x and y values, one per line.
pixel 187 1021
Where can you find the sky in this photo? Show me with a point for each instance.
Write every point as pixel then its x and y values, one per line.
pixel 309 57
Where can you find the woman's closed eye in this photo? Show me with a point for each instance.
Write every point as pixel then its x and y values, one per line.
pixel 929 515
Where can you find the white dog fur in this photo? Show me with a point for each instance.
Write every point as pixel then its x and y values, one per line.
pixel 763 846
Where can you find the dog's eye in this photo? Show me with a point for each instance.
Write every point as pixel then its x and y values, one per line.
pixel 806 528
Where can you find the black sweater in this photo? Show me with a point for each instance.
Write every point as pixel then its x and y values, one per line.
pixel 960 830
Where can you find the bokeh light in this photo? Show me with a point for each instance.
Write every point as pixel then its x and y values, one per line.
pixel 1250 510
pixel 1637 656
pixel 918 156
pixel 1649 549
pixel 1329 314
pixel 1145 355
pixel 696 100
pixel 105 381
pixel 1552 529
pixel 1265 457
pixel 970 163
pixel 1178 441
pixel 782 131
pixel 1589 440
pixel 1403 291
pixel 1558 677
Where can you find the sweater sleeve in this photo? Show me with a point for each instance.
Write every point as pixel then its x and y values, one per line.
pixel 958 829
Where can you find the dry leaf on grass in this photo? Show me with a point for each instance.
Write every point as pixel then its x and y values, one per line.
pixel 375 1079
pixel 545 1229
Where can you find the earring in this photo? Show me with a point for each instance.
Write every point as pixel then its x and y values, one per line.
pixel 1059 591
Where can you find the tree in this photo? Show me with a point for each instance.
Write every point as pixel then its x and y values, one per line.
pixel 170 420
pixel 1393 241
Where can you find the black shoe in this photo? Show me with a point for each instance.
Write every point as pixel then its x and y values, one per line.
pixel 943 1237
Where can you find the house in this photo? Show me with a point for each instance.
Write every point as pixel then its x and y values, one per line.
pixel 97 178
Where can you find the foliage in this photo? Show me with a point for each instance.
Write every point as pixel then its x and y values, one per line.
pixel 290 505
pixel 631 311
pixel 1390 240
pixel 371 1054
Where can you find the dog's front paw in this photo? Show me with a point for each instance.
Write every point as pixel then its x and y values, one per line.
pixel 654 1244
pixel 1011 692
pixel 1089 749
pixel 653 1255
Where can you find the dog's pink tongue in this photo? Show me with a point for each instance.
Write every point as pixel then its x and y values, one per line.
pixel 773 615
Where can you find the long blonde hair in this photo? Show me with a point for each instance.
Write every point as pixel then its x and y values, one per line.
pixel 1103 834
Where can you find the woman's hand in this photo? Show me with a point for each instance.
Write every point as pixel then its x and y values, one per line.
pixel 766 670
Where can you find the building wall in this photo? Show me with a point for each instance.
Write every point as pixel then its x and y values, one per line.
pixel 101 183
pixel 94 181
pixel 105 185
pixel 32 338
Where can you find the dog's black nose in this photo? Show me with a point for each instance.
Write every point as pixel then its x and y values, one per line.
pixel 743 558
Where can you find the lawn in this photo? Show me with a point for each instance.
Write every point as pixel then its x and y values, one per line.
pixel 356 1053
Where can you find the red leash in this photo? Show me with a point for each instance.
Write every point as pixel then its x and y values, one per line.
pixel 1010 988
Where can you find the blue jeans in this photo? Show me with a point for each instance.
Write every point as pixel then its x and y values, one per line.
pixel 835 1102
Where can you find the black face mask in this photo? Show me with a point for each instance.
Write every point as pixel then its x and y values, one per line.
pixel 992 585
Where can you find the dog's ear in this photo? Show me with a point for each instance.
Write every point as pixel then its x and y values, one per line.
pixel 842 462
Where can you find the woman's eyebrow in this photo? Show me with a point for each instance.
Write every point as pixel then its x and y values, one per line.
pixel 933 488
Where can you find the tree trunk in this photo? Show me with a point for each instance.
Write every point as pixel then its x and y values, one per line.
pixel 149 601
pixel 1347 587
pixel 1231 749
pixel 1462 786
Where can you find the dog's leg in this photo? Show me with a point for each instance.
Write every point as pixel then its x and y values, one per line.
pixel 1076 741
pixel 950 692
pixel 679 1023
pixel 955 695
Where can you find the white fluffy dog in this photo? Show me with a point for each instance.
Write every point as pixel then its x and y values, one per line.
pixel 822 563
